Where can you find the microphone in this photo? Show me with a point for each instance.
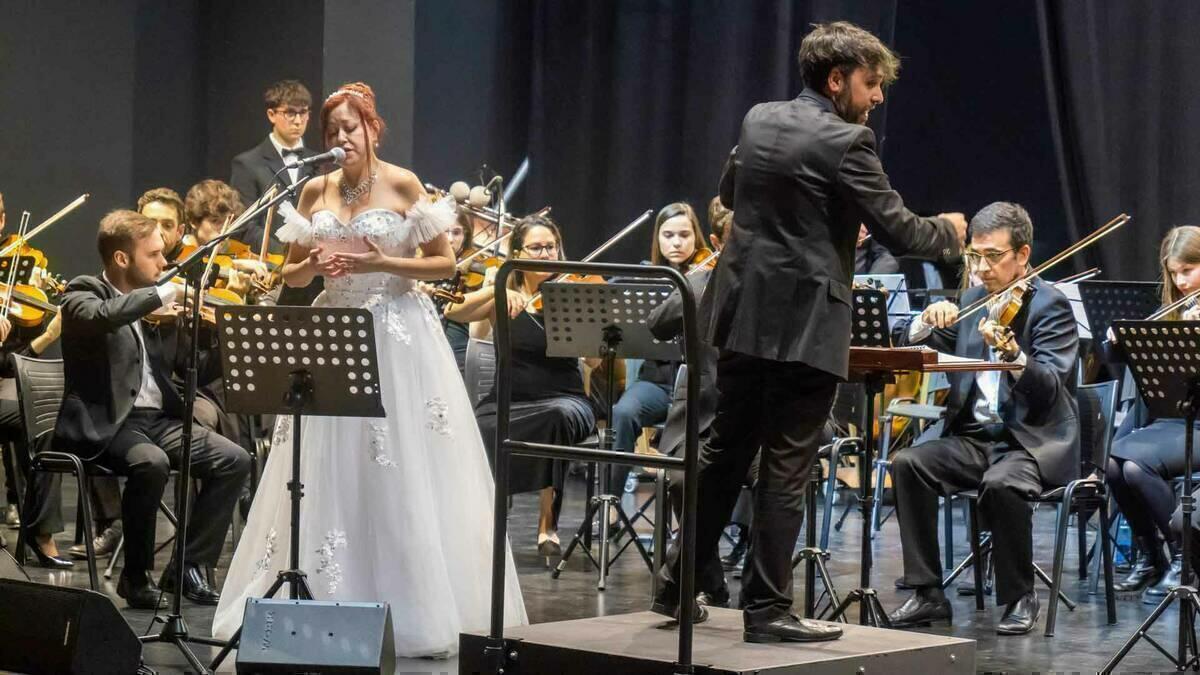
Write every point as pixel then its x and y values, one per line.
pixel 460 191
pixel 336 155
pixel 478 197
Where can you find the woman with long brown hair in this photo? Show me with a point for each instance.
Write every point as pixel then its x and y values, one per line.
pixel 549 403
pixel 1144 460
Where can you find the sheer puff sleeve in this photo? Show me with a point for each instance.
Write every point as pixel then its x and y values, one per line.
pixel 427 219
pixel 296 228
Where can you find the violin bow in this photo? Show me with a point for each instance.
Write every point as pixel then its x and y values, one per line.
pixel 16 245
pixel 1092 238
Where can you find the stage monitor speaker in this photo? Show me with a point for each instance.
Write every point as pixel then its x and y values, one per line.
pixel 50 629
pixel 310 636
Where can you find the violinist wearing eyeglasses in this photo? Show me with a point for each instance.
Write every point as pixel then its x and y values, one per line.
pixel 1009 434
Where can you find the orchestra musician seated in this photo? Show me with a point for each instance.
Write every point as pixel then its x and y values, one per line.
pixel 1008 434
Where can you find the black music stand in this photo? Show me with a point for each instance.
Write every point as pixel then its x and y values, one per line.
pixel 1165 359
pixel 1107 301
pixel 25 265
pixel 608 321
pixel 297 361
pixel 869 329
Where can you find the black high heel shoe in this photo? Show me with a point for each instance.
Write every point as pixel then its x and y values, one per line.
pixel 47 561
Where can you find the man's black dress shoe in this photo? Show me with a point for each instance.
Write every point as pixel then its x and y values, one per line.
pixel 140 593
pixel 718 599
pixel 918 611
pixel 195 586
pixel 48 561
pixel 671 609
pixel 1021 616
pixel 792 628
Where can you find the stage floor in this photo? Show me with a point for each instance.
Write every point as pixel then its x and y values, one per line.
pixel 1083 642
pixel 639 643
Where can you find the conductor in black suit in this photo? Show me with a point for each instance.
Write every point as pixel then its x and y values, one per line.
pixel 1009 435
pixel 121 409
pixel 289 106
pixel 802 178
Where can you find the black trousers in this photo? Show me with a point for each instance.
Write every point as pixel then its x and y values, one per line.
pixel 1006 477
pixel 44 516
pixel 778 408
pixel 148 445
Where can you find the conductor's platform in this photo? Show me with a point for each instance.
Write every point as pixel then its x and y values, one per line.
pixel 635 644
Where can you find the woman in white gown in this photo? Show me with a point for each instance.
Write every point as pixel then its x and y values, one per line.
pixel 395 509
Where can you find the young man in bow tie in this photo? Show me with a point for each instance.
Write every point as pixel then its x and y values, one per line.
pixel 288 106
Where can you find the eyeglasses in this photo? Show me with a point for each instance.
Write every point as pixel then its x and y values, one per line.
pixel 293 114
pixel 975 259
pixel 538 249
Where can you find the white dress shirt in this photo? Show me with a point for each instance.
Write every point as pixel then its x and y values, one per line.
pixel 987 405
pixel 149 395
pixel 294 174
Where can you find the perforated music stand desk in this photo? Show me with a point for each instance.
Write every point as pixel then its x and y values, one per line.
pixel 609 321
pixel 25 265
pixel 1107 301
pixel 1164 357
pixel 576 315
pixel 297 361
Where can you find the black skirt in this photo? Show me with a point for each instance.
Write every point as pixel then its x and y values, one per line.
pixel 561 420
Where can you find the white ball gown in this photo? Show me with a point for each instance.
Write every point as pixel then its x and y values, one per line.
pixel 395 509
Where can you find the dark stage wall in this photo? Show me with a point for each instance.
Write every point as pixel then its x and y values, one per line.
pixel 620 105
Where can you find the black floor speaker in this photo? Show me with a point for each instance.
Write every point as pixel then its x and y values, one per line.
pixel 50 629
pixel 290 636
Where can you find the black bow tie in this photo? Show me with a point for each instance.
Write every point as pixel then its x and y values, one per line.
pixel 290 151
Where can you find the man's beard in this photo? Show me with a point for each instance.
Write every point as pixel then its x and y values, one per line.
pixel 843 104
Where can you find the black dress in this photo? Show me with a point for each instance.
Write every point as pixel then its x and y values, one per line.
pixel 548 406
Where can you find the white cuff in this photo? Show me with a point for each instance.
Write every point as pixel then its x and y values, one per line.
pixel 167 293
pixel 918 330
pixel 1021 360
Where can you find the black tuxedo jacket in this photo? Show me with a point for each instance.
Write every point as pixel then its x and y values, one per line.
pixel 1039 409
pixel 102 362
pixel 252 173
pixel 800 181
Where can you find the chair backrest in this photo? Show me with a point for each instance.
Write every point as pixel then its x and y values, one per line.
pixel 1097 406
pixel 480 369
pixel 40 385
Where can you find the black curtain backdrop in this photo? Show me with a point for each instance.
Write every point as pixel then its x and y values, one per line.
pixel 621 105
pixel 1126 117
pixel 636 104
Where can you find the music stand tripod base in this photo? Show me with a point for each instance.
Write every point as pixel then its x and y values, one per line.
pixel 607 321
pixel 297 361
pixel 1165 359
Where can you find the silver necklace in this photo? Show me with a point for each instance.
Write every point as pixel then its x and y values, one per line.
pixel 353 194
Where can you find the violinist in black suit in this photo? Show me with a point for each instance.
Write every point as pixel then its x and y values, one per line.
pixel 1008 434
pixel 289 106
pixel 121 409
pixel 803 176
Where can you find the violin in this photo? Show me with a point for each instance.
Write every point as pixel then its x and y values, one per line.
pixel 708 262
pixel 1187 303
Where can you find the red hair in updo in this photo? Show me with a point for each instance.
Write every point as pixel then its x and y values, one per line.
pixel 361 99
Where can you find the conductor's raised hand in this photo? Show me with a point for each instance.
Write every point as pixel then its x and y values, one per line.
pixel 959 221
pixel 940 314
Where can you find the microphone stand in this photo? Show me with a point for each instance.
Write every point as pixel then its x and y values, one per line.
pixel 174 630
